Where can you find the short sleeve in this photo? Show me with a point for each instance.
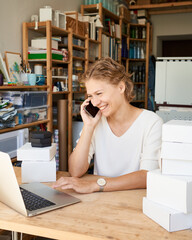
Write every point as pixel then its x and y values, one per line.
pixel 150 156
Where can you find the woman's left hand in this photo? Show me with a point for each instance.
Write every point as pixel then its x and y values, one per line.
pixel 77 184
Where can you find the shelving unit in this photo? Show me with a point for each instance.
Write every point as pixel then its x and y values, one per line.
pixel 103 13
pixel 139 65
pixel 165 8
pixel 46 29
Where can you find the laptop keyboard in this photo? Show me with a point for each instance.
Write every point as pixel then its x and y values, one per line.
pixel 33 201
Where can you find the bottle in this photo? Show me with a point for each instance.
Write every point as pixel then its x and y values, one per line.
pixel 138 54
pixel 144 33
pixel 134 50
pixel 140 73
pixel 136 33
pixel 131 51
pixel 139 32
pixel 132 32
pixel 142 51
pixel 143 73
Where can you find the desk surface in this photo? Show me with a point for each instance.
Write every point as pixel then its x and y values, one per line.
pixel 107 215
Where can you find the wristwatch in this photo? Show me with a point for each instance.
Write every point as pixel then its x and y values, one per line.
pixel 101 182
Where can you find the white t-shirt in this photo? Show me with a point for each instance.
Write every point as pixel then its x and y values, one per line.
pixel 138 148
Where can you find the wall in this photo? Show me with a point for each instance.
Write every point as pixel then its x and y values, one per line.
pixel 172 26
pixel 14 12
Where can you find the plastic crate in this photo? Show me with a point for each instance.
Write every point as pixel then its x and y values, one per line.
pixel 30 115
pixel 25 99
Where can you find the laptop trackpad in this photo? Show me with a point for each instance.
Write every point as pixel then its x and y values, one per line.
pixel 50 194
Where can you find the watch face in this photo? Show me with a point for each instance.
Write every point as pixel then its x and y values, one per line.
pixel 101 182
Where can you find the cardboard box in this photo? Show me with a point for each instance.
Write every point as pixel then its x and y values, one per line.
pixel 42 43
pixel 177 131
pixel 38 171
pixel 169 190
pixel 29 153
pixel 168 218
pixel 173 150
pixel 176 167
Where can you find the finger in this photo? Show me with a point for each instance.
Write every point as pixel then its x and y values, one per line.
pixel 68 186
pixel 61 181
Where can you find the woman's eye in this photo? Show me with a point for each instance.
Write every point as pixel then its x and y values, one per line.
pixel 99 93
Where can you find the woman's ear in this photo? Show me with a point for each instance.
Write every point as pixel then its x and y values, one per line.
pixel 121 87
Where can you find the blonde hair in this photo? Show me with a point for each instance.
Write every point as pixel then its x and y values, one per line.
pixel 107 69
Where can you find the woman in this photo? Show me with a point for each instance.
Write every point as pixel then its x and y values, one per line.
pixel 124 140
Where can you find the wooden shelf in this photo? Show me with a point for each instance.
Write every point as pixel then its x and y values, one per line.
pixel 109 35
pixel 164 8
pixel 79 36
pixel 59 77
pixel 79 58
pixel 139 83
pixel 137 40
pixel 23 87
pixel 138 101
pixel 79 92
pixel 136 60
pixel 56 31
pixel 62 45
pixel 79 48
pixel 53 60
pixel 23 126
pixel 94 41
pixel 93 8
pixel 60 92
pixel 47 30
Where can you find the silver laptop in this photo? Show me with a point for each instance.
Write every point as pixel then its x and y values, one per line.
pixel 21 198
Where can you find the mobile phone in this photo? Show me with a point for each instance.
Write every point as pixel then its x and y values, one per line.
pixel 91 110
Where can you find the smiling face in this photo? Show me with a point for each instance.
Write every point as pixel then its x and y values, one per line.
pixel 107 97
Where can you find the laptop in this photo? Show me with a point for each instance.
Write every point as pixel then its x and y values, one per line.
pixel 21 198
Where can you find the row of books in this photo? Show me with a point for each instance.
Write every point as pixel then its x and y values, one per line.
pixel 110 47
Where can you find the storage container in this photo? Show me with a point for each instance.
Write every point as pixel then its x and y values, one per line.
pixel 30 115
pixel 25 99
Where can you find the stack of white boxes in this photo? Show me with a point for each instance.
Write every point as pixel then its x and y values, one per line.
pixel 169 190
pixel 38 163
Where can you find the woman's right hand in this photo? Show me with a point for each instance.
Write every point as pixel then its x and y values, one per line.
pixel 87 119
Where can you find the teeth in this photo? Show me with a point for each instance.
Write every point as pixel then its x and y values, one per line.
pixel 101 108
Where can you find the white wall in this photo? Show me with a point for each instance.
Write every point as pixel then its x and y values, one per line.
pixel 170 25
pixel 14 12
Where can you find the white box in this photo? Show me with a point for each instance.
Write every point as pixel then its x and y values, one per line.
pixel 174 150
pixel 42 43
pixel 169 190
pixel 60 19
pixel 177 131
pixel 46 14
pixel 29 153
pixel 176 167
pixel 38 171
pixel 168 218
